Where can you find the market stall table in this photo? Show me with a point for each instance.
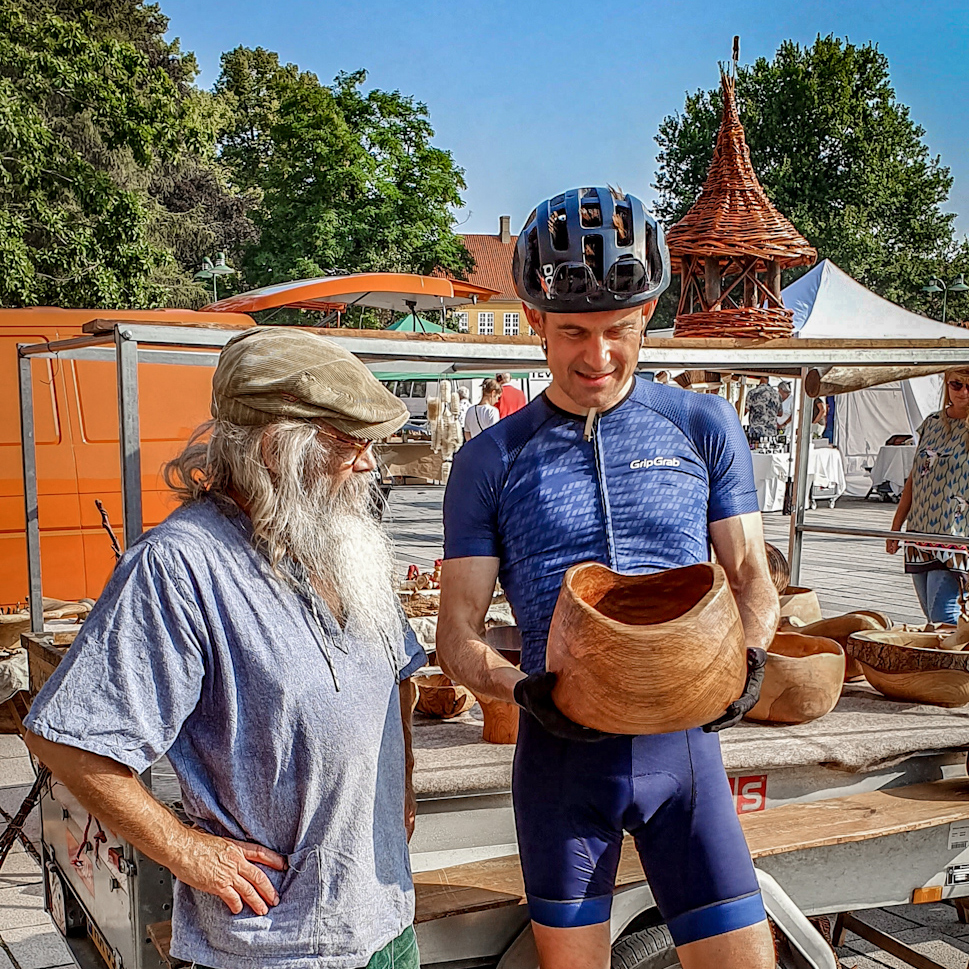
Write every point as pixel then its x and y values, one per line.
pixel 826 476
pixel 893 464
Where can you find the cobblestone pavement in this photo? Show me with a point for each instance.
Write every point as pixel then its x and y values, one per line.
pixel 29 940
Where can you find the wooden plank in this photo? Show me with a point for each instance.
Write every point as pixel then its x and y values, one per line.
pixel 160 934
pixel 884 941
pixel 793 827
pixel 857 817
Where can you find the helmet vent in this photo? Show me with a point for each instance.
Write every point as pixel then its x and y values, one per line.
pixel 592 252
pixel 558 228
pixel 623 222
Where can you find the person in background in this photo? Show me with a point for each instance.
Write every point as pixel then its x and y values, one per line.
pixel 763 406
pixel 464 405
pixel 512 398
pixel 485 413
pixel 819 417
pixel 936 499
pixel 787 407
pixel 256 638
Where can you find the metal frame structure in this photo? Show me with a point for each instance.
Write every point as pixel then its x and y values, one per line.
pixel 129 343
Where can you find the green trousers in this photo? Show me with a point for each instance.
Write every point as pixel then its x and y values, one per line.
pixel 400 953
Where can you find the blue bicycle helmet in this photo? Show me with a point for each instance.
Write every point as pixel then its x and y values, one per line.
pixel 589 250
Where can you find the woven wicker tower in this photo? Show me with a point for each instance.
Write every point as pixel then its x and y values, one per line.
pixel 731 246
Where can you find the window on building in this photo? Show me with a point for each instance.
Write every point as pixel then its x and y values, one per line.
pixel 486 323
pixel 511 324
pixel 462 321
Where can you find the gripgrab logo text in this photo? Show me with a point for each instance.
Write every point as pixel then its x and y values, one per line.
pixel 654 463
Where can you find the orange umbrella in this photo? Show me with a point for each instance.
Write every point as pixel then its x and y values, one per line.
pixel 404 292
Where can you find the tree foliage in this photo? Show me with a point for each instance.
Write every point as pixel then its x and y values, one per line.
pixel 346 179
pixel 838 154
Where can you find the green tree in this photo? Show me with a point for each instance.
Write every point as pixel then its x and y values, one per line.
pixel 346 180
pixel 837 153
pixel 110 188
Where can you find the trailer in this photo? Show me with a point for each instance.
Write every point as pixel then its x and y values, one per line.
pixel 840 815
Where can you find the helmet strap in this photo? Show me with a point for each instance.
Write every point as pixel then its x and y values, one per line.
pixel 589 421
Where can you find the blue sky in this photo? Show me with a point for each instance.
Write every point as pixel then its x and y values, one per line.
pixel 532 98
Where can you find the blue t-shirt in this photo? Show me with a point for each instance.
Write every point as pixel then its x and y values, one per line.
pixel 198 650
pixel 638 497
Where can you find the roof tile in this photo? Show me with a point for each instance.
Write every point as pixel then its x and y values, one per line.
pixel 492 263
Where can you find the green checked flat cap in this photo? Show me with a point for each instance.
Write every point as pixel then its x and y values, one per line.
pixel 273 372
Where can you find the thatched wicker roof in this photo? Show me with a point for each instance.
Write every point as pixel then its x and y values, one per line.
pixel 733 215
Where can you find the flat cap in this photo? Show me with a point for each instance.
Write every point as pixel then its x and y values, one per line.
pixel 273 372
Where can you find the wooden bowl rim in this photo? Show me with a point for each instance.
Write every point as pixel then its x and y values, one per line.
pixel 826 641
pixel 719 580
pixel 957 661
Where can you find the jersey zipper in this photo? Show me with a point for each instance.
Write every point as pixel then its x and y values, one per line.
pixel 598 449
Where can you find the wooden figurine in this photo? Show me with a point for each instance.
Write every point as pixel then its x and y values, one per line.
pixel 912 666
pixel 802 679
pixel 640 654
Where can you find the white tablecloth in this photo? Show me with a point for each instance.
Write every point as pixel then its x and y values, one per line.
pixel 825 470
pixel 893 464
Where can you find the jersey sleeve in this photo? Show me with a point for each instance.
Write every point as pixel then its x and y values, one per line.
pixel 471 501
pixel 721 441
pixel 134 672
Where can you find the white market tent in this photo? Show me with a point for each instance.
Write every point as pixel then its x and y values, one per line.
pixel 829 304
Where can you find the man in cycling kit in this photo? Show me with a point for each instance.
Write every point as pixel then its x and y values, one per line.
pixel 641 477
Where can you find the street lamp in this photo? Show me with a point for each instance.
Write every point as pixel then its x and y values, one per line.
pixel 212 271
pixel 958 285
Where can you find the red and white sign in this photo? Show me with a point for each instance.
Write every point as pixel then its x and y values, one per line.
pixel 80 862
pixel 749 793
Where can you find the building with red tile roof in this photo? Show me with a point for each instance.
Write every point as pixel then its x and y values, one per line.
pixel 503 314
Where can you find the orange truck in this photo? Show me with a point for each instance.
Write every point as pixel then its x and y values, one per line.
pixel 76 421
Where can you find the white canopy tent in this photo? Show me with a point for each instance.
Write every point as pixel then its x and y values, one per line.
pixel 829 304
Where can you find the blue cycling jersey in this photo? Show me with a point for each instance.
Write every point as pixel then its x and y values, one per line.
pixel 638 496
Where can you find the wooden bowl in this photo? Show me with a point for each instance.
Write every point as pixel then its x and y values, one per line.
pixel 438 696
pixel 840 629
pixel 800 603
pixel 802 679
pixel 641 654
pixel 907 665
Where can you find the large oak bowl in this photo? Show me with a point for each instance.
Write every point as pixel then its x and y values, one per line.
pixel 642 654
pixel 802 679
pixel 908 665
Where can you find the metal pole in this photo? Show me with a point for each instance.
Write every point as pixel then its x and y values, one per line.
pixel 129 435
pixel 801 465
pixel 28 449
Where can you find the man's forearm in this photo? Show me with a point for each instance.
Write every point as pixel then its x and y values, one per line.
pixel 468 660
pixel 117 797
pixel 759 610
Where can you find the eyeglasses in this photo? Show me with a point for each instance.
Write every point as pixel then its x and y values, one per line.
pixel 352 450
pixel 957 385
pixel 626 277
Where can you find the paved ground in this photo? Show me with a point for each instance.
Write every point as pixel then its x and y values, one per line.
pixel 846 572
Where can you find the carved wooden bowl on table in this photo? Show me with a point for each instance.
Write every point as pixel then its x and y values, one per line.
pixel 802 679
pixel 907 665
pixel 800 603
pixel 841 628
pixel 640 654
pixel 439 696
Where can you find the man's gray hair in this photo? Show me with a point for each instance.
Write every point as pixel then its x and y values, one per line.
pixel 284 475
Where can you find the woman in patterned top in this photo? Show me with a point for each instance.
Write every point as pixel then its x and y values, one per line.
pixel 936 499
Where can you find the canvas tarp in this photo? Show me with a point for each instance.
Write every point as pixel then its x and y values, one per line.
pixel 829 304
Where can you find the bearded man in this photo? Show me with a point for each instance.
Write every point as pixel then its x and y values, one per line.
pixel 255 637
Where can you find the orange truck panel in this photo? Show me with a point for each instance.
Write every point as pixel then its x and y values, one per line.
pixel 76 428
